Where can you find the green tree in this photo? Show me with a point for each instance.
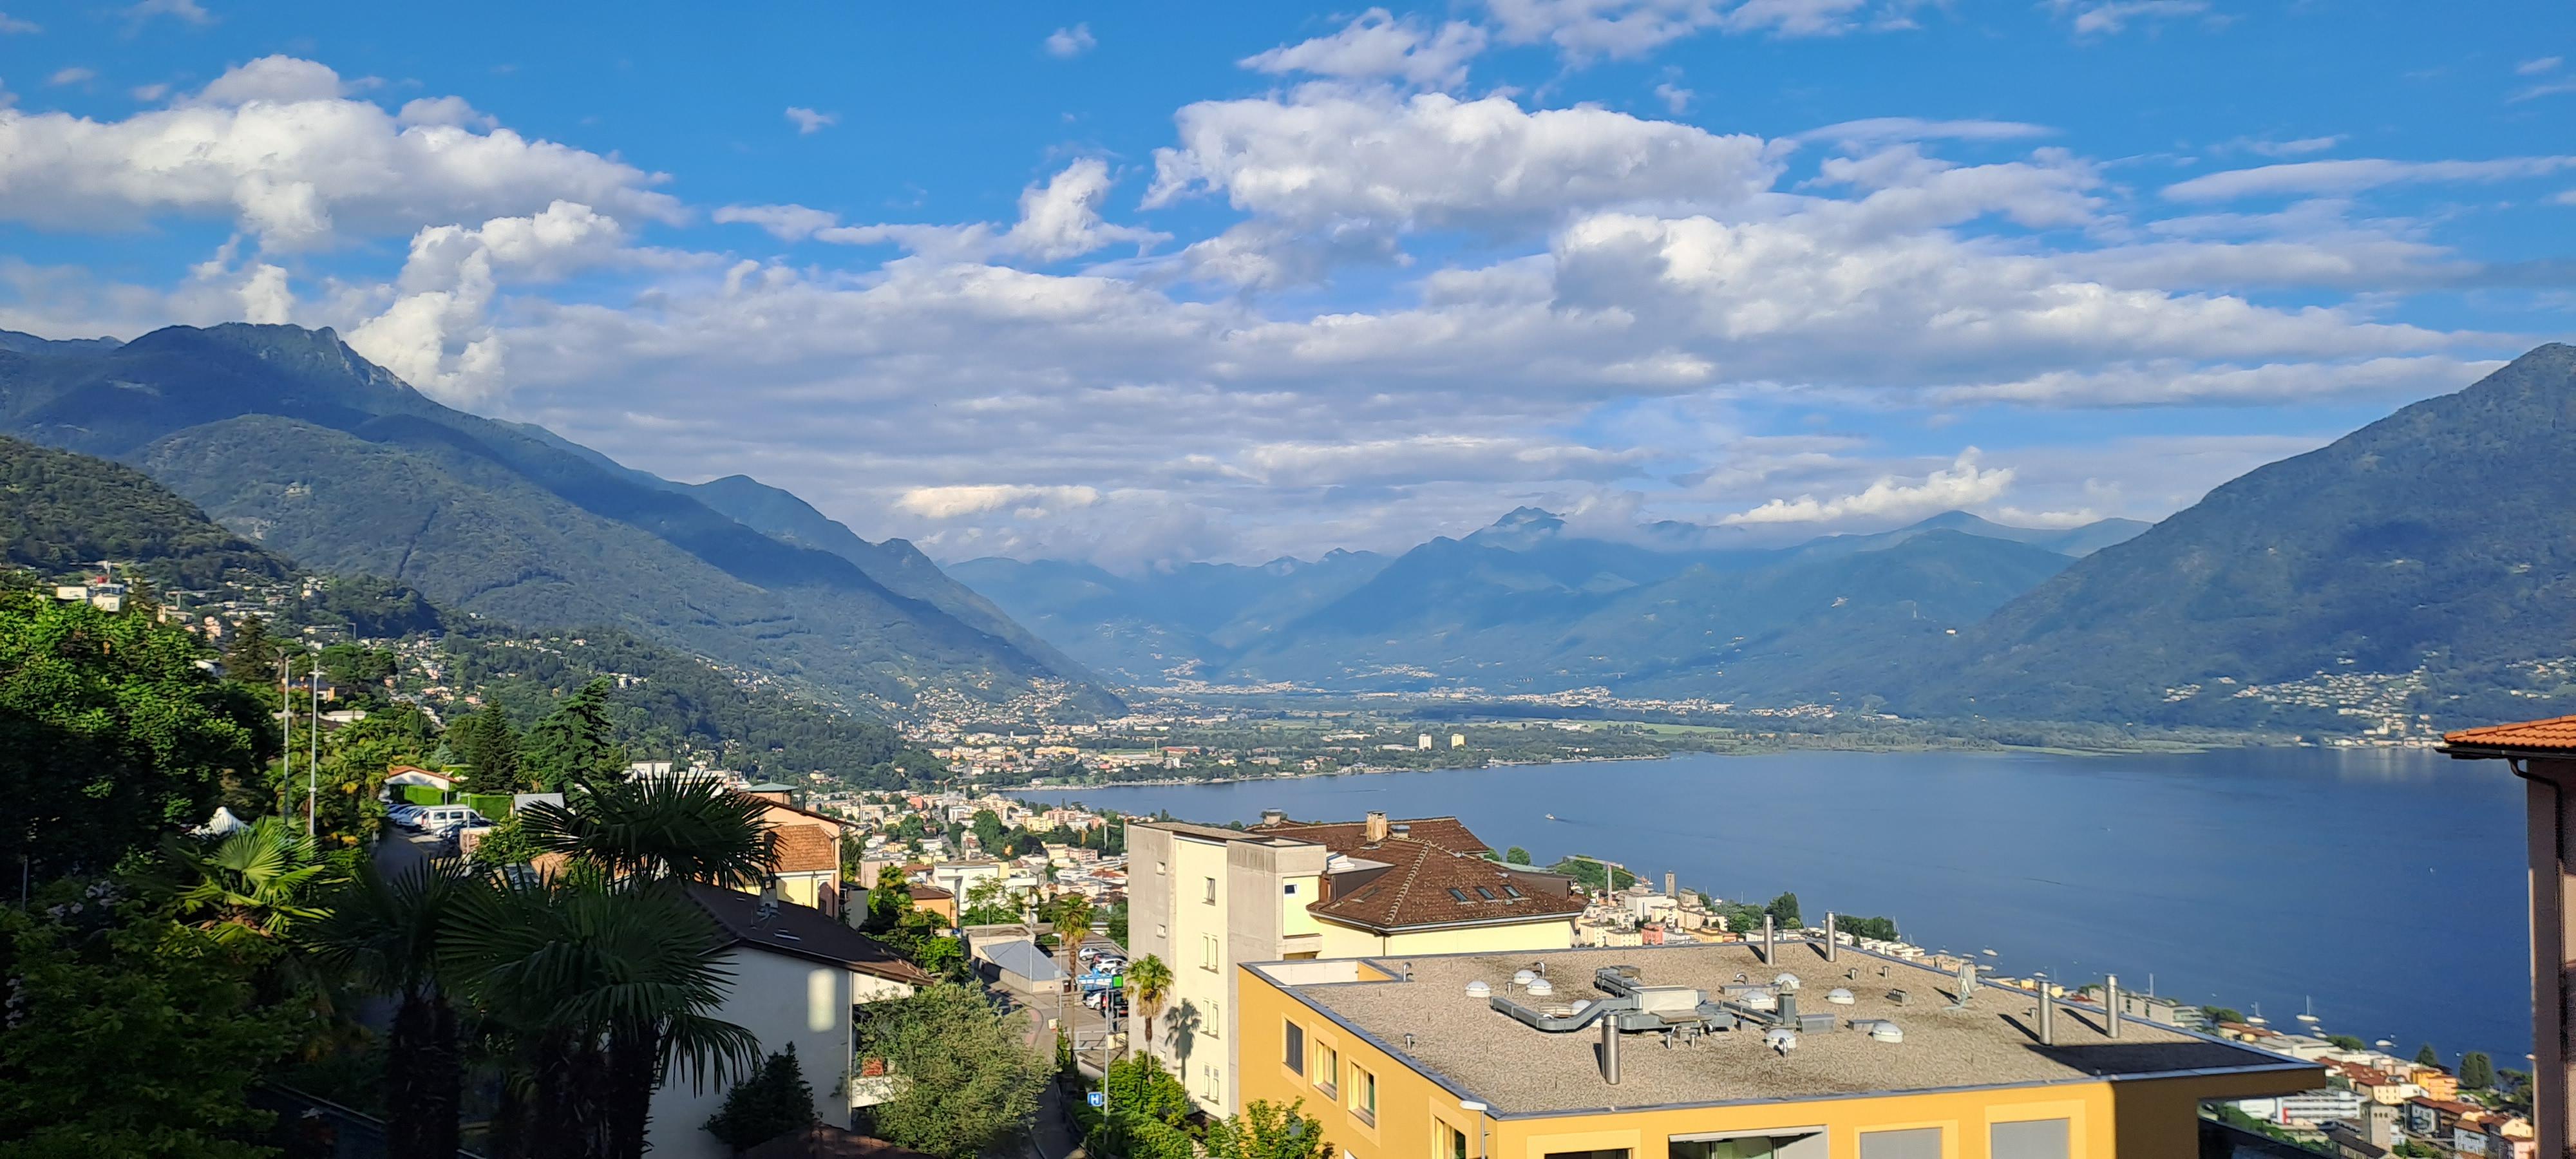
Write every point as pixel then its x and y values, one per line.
pixel 2346 1042
pixel 250 656
pixel 773 1101
pixel 1139 1085
pixel 1149 986
pixel 489 747
pixel 1117 921
pixel 506 843
pixel 888 900
pixel 660 828
pixel 1517 855
pixel 2222 1013
pixel 573 744
pixel 1072 925
pixel 987 828
pixel 939 956
pixel 1784 910
pixel 111 738
pixel 1266 1130
pixel 383 934
pixel 963 1079
pixel 117 1046
pixel 2477 1071
pixel 2425 1055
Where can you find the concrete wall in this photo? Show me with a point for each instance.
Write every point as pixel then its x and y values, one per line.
pixel 780 999
pixel 1348 942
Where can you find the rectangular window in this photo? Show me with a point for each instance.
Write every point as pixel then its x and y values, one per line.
pixel 1734 1145
pixel 1510 892
pixel 2034 1139
pixel 1211 891
pixel 1484 893
pixel 1457 893
pixel 1452 1141
pixel 1604 1153
pixel 1919 1143
pixel 1295 1055
pixel 1207 952
pixel 1292 889
pixel 1328 1069
pixel 1162 867
pixel 1364 1096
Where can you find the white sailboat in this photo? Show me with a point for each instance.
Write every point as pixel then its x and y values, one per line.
pixel 2311 1016
pixel 2256 1018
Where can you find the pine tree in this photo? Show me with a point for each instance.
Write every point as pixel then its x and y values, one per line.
pixel 251 657
pixel 2427 1056
pixel 2477 1071
pixel 489 748
pixel 572 743
pixel 768 1104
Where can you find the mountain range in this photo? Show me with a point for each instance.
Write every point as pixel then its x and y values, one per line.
pixel 292 439
pixel 2425 564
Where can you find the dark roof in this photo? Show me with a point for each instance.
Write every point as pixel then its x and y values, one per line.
pixel 1351 837
pixel 804 932
pixel 922 892
pixel 825 1141
pixel 1026 960
pixel 1425 884
pixel 2556 733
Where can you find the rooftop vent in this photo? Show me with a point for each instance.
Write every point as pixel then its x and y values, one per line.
pixel 1787 982
pixel 1881 1030
pixel 1478 989
pixel 1523 977
pixel 1758 998
pixel 1539 988
pixel 1400 829
pixel 1781 1039
pixel 1839 996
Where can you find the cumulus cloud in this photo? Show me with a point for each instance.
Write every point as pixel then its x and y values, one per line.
pixel 436 334
pixel 1058 220
pixel 1584 29
pixel 975 498
pixel 275 148
pixel 1377 45
pixel 808 122
pixel 784 222
pixel 1962 484
pixel 2355 176
pixel 1067 43
pixel 184 11
pixel 2176 383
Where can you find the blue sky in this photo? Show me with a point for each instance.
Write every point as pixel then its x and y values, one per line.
pixel 1153 282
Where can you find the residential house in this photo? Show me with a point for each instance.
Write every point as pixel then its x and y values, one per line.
pixel 2543 754
pixel 808 860
pixel 797 975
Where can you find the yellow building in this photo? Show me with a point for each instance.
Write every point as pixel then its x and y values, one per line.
pixel 1204 899
pixel 1400 1059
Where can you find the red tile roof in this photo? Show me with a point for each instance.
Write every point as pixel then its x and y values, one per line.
pixel 1417 891
pixel 806 849
pixel 2555 733
pixel 1349 836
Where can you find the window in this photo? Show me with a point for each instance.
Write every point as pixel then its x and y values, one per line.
pixel 1738 1145
pixel 1457 893
pixel 1484 893
pixel 1292 889
pixel 1604 1153
pixel 1162 867
pixel 1328 1069
pixel 2035 1139
pixel 1919 1143
pixel 1364 1096
pixel 1207 951
pixel 1295 1054
pixel 1211 891
pixel 1509 892
pixel 1452 1142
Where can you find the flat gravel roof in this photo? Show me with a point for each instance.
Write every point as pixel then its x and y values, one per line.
pixel 1518 1069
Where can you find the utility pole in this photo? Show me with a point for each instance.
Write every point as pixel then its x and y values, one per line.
pixel 286 722
pixel 313 737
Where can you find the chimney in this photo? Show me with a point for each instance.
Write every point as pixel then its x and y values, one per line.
pixel 2111 1005
pixel 1830 942
pixel 2047 1015
pixel 1766 939
pixel 1274 816
pixel 1610 1048
pixel 1375 828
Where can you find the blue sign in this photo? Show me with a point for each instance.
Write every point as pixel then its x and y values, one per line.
pixel 1099 1099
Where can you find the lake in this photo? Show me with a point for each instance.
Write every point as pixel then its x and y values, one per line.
pixel 2386 884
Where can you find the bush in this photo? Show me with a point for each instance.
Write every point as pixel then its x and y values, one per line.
pixel 770 1103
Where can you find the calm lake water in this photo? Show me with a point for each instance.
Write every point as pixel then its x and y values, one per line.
pixel 2386 884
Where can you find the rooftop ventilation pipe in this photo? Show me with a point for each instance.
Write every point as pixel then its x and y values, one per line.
pixel 2111 1005
pixel 1829 935
pixel 2047 1014
pixel 1766 939
pixel 1610 1051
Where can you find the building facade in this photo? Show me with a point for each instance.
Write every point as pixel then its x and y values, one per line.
pixel 2543 754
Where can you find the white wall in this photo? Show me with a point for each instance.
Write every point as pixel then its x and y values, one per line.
pixel 780 999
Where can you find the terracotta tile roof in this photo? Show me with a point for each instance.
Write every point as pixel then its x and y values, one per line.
pixel 1348 836
pixel 929 893
pixel 1426 883
pixel 2555 733
pixel 806 849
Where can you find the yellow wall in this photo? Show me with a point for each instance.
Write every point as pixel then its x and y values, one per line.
pixel 1346 942
pixel 2130 1120
pixel 1192 1029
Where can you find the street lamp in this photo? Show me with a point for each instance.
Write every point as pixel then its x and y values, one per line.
pixel 1484 1141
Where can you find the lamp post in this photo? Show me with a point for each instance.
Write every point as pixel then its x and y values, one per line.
pixel 1484 1140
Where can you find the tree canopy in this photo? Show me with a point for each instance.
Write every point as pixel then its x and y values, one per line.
pixel 963 1079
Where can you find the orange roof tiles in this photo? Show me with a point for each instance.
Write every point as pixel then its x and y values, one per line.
pixel 1350 836
pixel 806 849
pixel 1416 891
pixel 2555 733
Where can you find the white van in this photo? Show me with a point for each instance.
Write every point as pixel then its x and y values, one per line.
pixel 441 818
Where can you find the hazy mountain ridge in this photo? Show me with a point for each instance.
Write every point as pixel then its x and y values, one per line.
pixel 289 435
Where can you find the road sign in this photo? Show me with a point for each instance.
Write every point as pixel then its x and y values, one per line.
pixel 1099 1099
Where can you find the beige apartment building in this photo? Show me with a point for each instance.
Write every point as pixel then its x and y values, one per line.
pixel 1206 900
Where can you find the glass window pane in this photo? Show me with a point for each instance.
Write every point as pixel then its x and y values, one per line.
pixel 1920 1143
pixel 1296 1053
pixel 2036 1139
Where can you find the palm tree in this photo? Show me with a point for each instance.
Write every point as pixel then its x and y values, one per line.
pixel 660 828
pixel 601 991
pixel 383 933
pixel 1151 982
pixel 1072 926
pixel 253 883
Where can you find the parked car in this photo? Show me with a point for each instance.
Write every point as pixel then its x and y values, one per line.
pixel 442 818
pixel 405 816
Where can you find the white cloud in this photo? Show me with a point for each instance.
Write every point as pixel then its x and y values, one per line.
pixel 452 112
pixel 12 26
pixel 1067 43
pixel 1322 157
pixel 784 222
pixel 71 76
pixel 1453 457
pixel 2355 176
pixel 1058 220
pixel 184 11
pixel 275 149
pixel 149 93
pixel 2538 65
pixel 1377 45
pixel 1584 29
pixel 2176 383
pixel 972 499
pixel 1677 100
pixel 2535 92
pixel 1881 130
pixel 1962 484
pixel 808 122
pixel 436 333
pixel 2297 147
pixel 2109 17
